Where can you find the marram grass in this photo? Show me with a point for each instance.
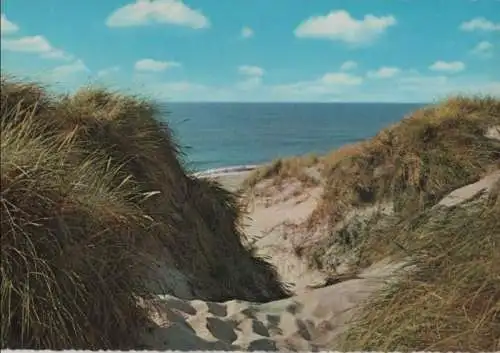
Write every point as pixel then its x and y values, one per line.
pixel 93 193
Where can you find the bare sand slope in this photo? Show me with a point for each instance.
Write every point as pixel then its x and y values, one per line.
pixel 471 191
pixel 310 321
pixel 267 225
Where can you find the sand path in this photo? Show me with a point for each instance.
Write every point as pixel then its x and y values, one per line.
pixel 309 321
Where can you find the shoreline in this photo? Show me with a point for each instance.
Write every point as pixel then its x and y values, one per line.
pixel 231 178
pixel 227 171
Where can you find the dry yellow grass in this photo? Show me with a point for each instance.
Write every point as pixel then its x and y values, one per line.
pixel 73 252
pixel 282 170
pixel 452 301
pixel 411 164
pixel 93 189
pixel 417 161
pixel 414 162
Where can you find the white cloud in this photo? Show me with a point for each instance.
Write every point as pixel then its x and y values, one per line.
pixel 492 88
pixel 144 12
pixel 251 70
pixel 108 71
pixel 182 86
pixel 63 71
pixel 480 24
pixel 155 65
pixel 247 32
pixel 439 87
pixel 340 25
pixel 348 65
pixel 412 87
pixel 34 45
pixel 6 26
pixel 419 81
pixel 450 67
pixel 188 91
pixel 57 54
pixel 340 78
pixel 328 85
pixel 250 83
pixel 384 72
pixel 482 48
pixel 253 77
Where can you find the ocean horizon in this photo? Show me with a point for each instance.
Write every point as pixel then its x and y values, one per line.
pixel 222 135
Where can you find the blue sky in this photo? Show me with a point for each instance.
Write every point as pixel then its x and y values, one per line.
pixel 258 50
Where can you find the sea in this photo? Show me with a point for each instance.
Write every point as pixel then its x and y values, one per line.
pixel 229 136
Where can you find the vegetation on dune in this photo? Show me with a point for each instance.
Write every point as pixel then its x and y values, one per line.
pixel 73 247
pixel 92 194
pixel 282 170
pixel 452 301
pixel 412 163
pixel 417 161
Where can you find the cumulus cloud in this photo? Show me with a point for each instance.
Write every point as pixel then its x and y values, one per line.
pixel 482 48
pixel 384 72
pixel 328 85
pixel 412 87
pixel 348 65
pixel 6 26
pixel 427 87
pixel 480 24
pixel 63 71
pixel 250 83
pixel 449 67
pixel 340 78
pixel 35 45
pixel 145 12
pixel 340 25
pixel 57 54
pixel 188 91
pixel 419 81
pixel 253 77
pixel 152 65
pixel 251 70
pixel 247 32
pixel 108 71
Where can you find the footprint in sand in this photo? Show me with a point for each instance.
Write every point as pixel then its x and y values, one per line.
pixel 221 330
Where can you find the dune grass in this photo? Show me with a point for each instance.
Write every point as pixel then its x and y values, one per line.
pixel 417 161
pixel 282 170
pixel 73 247
pixel 93 193
pixel 412 163
pixel 410 166
pixel 452 301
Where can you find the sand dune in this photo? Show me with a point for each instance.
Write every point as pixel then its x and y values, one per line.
pixel 267 226
pixel 308 321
